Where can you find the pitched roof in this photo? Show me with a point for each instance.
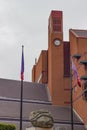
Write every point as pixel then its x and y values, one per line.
pixel 79 33
pixel 35 97
pixel 31 91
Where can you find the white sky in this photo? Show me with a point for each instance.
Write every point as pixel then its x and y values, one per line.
pixel 25 22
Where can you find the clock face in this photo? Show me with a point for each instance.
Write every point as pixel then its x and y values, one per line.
pixel 57 42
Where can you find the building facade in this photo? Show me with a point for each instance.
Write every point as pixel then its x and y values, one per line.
pixel 52 80
pixel 54 66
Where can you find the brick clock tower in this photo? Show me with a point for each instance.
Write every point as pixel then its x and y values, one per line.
pixel 56 58
pixel 53 67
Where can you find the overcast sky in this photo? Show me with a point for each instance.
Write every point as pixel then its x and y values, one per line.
pixel 25 22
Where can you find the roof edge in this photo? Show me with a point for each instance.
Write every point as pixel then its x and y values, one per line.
pixel 72 30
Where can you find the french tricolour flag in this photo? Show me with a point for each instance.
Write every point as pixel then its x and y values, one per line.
pixel 76 74
pixel 22 64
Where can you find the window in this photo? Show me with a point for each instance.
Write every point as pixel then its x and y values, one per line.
pixel 85 90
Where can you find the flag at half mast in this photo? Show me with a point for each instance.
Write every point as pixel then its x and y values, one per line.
pixel 75 72
pixel 22 64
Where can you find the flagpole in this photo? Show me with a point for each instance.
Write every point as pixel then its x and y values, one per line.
pixel 21 91
pixel 71 95
pixel 21 105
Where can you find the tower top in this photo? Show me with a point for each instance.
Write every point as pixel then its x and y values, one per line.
pixel 56 21
pixel 55 13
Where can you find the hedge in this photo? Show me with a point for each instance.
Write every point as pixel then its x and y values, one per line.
pixel 4 126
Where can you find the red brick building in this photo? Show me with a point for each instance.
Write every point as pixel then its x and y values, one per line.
pixel 53 67
pixel 51 82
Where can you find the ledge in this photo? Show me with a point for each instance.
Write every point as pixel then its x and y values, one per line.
pixel 83 62
pixel 77 56
pixel 83 77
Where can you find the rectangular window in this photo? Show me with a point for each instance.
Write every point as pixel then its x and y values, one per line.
pixel 85 90
pixel 66 59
